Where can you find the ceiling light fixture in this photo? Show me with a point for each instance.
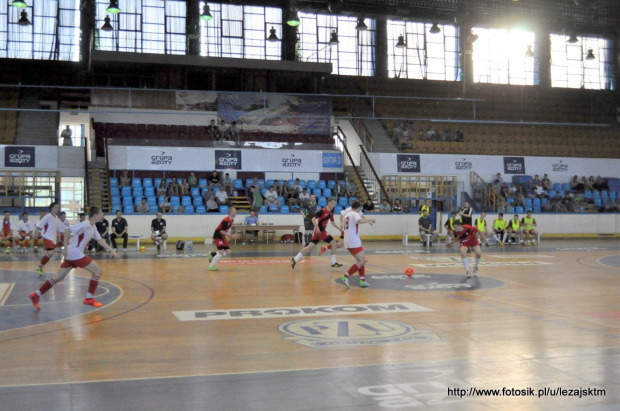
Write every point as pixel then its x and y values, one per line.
pixel 113 7
pixel 333 39
pixel 206 13
pixel 434 28
pixel 293 18
pixel 401 42
pixel 590 55
pixel 272 35
pixel 361 25
pixel 106 24
pixel 23 21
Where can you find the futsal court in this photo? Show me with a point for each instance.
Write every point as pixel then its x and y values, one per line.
pixel 259 335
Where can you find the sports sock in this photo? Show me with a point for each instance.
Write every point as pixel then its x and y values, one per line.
pixel 466 263
pixel 298 257
pixel 45 287
pixel 352 270
pixel 477 262
pixel 496 236
pixel 362 273
pixel 92 286
pixel 44 260
pixel 215 259
pixel 333 258
pixel 505 235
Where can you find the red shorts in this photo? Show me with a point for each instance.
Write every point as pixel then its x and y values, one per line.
pixel 321 236
pixel 470 242
pixel 81 263
pixel 355 250
pixel 221 244
pixel 48 244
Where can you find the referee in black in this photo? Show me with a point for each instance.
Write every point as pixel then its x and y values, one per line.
pixel 119 229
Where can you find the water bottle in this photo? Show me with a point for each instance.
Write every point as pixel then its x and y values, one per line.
pixel 190 245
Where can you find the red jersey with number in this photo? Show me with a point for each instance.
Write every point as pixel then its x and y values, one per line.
pixel 467 235
pixel 224 226
pixel 323 216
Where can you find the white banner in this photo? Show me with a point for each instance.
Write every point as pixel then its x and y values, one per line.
pixel 165 158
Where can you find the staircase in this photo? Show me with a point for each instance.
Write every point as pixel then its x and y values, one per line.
pixel 361 182
pixel 98 194
pixel 381 141
pixel 241 203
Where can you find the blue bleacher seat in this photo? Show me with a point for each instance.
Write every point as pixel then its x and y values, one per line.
pixel 273 209
pixel 352 199
pixel 115 191
pixel 137 200
pixel 116 200
pixel 510 200
pixel 281 200
pixel 284 209
pixel 248 182
pixel 588 194
pixel 512 210
pixel 151 201
pixel 128 209
pixel 156 182
pixel 596 194
pixel 127 200
pixel 148 182
pixel 322 202
pixel 189 209
pixel 138 192
pixel 175 201
pixel 224 209
pixel 135 182
pixel 202 182
pixel 216 188
pixel 168 181
pixel 338 209
pixel 317 192
pixel 565 187
pixel 311 184
pixel 598 202
pixel 195 191
pixel 552 193
pixel 604 195
pixel 519 210
pixel 237 183
pixel 175 208
pixel 264 190
pixel 327 192
pixel 331 183
pixel 148 192
pixel 557 187
pixel 186 201
pixel 197 201
pixel 537 202
pixel 116 207
pixel 113 182
pixel 291 183
pixel 201 210
pixel 261 182
pixel 342 201
pixel 612 195
pixel 544 201
pixel 126 191
pixel 302 183
pixel 270 182
pixel 536 210
pixel 528 203
pixel 160 200
pixel 321 184
pixel 262 209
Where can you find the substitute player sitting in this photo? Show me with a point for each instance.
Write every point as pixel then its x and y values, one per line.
pixel 481 225
pixel 25 233
pixel 353 243
pixel 514 227
pixel 75 239
pixel 467 235
pixel 449 226
pixel 499 229
pixel 219 239
pixel 528 223
pixel 319 221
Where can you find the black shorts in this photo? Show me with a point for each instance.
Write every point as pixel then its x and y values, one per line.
pixel 322 236
pixel 308 224
pixel 502 232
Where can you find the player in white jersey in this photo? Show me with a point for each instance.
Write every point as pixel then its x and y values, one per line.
pixel 76 238
pixel 353 243
pixel 48 226
pixel 24 233
pixel 63 224
pixel 340 242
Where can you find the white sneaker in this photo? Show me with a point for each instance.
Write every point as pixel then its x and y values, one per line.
pixel 364 284
pixel 468 274
pixel 124 249
pixel 475 271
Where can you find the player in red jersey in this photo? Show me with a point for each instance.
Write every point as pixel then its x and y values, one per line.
pixel 219 239
pixel 75 239
pixel 320 220
pixel 467 235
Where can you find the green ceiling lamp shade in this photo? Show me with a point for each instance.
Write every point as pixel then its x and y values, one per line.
pixel 293 18
pixel 19 4
pixel 206 13
pixel 113 7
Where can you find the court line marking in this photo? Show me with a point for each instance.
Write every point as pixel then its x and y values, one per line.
pixel 598 260
pixel 7 287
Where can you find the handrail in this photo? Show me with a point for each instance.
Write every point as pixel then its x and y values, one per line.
pixel 338 134
pixel 490 198
pixel 361 129
pixel 375 177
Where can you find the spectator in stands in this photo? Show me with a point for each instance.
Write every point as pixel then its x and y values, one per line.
pixel 303 196
pixel 385 207
pixel 277 185
pixel 221 197
pixel 124 179
pixel 586 184
pixel 66 136
pixel 520 196
pixel 271 198
pixel 214 180
pixel 600 184
pixel 232 133
pixel 143 207
pixel 339 190
pixel 546 183
pixel 161 189
pixel 184 188
pixel 166 207
pixel 351 189
pixel 227 184
pixel 251 220
pixel 211 205
pixel 119 230
pixel 207 192
pixel 498 178
pixel 173 188
pixel 536 181
pixel 505 191
pixel 575 185
pixel 369 206
pixel 397 207
pixel 297 187
pixel 257 198
pixel 256 184
pixel 426 228
pixel 610 207
pixel 285 191
pixel 213 131
pixel 460 137
pixel 192 180
pixel 181 209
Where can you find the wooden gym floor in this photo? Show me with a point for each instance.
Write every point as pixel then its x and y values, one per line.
pixel 258 335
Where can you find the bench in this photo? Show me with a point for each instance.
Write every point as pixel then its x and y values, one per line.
pixel 137 238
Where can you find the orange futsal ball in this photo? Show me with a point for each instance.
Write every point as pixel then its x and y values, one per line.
pixel 409 271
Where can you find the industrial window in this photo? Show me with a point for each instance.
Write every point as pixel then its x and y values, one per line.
pixel 571 68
